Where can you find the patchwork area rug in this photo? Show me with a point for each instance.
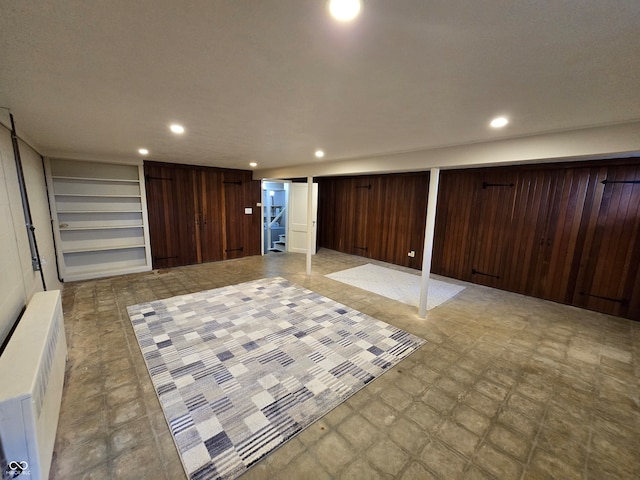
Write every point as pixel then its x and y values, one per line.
pixel 396 285
pixel 241 369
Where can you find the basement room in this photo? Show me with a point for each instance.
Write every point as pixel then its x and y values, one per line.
pixel 319 239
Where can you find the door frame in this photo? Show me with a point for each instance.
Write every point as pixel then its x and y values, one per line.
pixel 262 206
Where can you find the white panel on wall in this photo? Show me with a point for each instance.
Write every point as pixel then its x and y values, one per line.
pixel 13 295
pixel 12 292
pixel 33 169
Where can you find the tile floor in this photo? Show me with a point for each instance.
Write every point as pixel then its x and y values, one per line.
pixel 507 387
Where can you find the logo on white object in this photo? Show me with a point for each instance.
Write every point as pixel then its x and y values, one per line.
pixel 16 469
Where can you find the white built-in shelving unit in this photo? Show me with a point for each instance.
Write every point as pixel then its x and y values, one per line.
pixel 99 218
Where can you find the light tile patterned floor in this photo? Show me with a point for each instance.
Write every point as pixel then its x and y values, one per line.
pixel 508 387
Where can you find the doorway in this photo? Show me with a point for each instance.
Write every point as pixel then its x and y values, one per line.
pixel 275 198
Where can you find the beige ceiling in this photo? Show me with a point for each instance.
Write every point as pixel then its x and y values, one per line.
pixel 272 80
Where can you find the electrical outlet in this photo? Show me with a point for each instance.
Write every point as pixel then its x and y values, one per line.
pixel 412 253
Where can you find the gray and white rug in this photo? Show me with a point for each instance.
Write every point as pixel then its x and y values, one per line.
pixel 397 285
pixel 241 369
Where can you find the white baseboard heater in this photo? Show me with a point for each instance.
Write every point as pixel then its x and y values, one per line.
pixel 31 379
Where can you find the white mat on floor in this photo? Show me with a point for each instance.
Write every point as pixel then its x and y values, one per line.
pixel 397 285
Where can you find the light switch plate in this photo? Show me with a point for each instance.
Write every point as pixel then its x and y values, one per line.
pixel 248 211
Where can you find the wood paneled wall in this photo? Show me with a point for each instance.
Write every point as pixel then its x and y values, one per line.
pixel 566 232
pixel 376 216
pixel 196 214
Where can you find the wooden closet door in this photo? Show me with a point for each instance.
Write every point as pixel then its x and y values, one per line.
pixel 377 216
pixel 491 227
pixel 328 217
pixel 415 194
pixel 211 190
pixel 232 215
pixel 570 195
pixel 454 244
pixel 398 212
pixel 171 205
pixel 344 213
pixel 380 238
pixel 608 275
pixel 530 239
pixel 336 213
pixel 361 190
pixel 251 223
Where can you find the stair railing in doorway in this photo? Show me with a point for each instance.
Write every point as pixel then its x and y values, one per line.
pixel 272 222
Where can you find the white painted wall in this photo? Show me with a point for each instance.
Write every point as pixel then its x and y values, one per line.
pixel 18 281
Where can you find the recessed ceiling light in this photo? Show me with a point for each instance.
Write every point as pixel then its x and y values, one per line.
pixel 319 153
pixel 344 10
pixel 143 151
pixel 499 122
pixel 253 164
pixel 175 128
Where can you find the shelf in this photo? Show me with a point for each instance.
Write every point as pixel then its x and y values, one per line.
pixel 96 195
pixel 101 227
pixel 100 211
pixel 90 179
pixel 100 218
pixel 76 273
pixel 105 248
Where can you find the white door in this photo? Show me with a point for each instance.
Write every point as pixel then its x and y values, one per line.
pixel 297 221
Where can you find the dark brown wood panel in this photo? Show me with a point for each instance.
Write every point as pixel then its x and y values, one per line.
pixel 567 203
pixel 453 242
pixel 211 214
pixel 360 193
pixel 252 223
pixel 585 238
pixel 375 216
pixel 607 279
pixel 559 233
pixel 491 227
pixel 242 229
pixel 550 231
pixel 233 206
pixel 172 215
pixel 400 214
pixel 336 213
pixel 197 214
pixel 527 231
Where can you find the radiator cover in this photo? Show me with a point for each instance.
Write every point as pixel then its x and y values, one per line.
pixel 31 377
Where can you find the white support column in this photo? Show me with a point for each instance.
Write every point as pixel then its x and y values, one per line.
pixel 309 222
pixel 268 208
pixel 434 180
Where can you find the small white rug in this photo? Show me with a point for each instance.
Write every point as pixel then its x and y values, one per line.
pixel 397 285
